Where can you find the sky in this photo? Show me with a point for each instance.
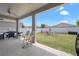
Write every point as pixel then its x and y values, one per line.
pixel 69 13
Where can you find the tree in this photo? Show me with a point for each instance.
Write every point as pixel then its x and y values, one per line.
pixel 78 23
pixel 43 25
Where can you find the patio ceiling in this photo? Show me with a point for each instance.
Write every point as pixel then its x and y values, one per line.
pixel 22 10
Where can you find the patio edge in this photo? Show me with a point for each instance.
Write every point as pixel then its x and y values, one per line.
pixel 52 50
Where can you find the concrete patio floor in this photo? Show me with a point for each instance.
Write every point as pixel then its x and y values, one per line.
pixel 13 47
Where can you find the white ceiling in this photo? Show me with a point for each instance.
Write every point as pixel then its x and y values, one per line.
pixel 19 9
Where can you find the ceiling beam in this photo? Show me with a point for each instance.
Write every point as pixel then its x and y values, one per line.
pixel 7 17
pixel 43 8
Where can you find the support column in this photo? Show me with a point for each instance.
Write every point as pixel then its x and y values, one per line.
pixel 33 28
pixel 17 27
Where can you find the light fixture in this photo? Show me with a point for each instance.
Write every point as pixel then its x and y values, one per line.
pixel 9 11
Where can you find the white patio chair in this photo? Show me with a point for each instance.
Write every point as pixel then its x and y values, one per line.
pixel 26 39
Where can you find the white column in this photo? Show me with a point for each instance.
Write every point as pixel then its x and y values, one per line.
pixel 17 21
pixel 33 29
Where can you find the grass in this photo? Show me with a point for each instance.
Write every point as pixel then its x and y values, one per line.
pixel 63 42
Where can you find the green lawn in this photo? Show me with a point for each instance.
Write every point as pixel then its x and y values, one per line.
pixel 63 42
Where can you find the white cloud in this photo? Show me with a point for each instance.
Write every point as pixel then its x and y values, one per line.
pixel 64 21
pixel 61 8
pixel 64 12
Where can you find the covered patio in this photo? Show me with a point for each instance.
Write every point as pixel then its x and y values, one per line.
pixel 13 47
pixel 18 11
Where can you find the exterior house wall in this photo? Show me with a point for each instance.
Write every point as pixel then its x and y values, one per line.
pixel 7 26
